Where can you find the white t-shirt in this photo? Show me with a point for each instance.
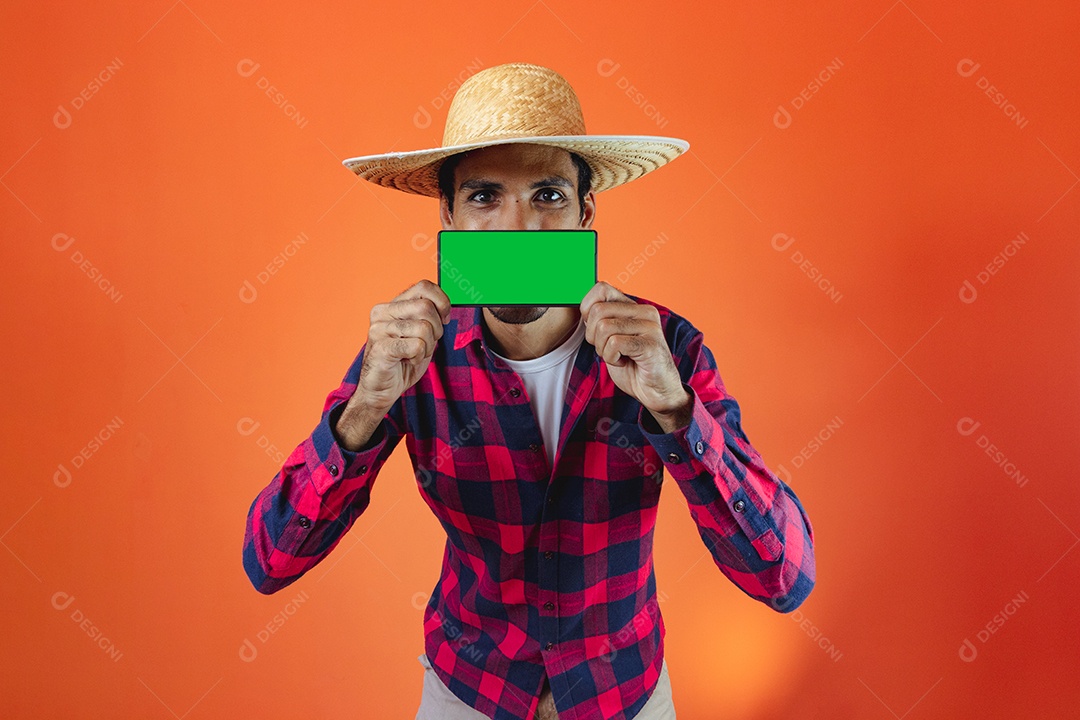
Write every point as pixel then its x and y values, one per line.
pixel 546 379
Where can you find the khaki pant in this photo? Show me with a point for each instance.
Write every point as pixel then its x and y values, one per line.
pixel 438 703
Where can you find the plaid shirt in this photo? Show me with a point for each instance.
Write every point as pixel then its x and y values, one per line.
pixel 547 571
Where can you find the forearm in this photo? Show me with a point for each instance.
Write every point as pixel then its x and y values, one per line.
pixel 676 419
pixel 752 524
pixel 322 488
pixel 357 423
pixel 299 518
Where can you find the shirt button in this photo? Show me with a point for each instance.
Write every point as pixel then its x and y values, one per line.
pixel 700 447
pixel 549 646
pixel 551 500
pixel 548 555
pixel 515 392
pixel 739 506
pixel 549 606
pixel 363 468
pixel 534 447
pixel 333 469
pixel 673 458
pixel 304 522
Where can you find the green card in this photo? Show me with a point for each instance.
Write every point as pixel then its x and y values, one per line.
pixel 516 267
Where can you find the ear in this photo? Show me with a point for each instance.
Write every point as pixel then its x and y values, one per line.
pixel 590 210
pixel 444 213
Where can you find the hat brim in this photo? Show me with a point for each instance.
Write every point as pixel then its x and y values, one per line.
pixel 614 159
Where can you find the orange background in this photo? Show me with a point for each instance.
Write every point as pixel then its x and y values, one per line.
pixel 179 180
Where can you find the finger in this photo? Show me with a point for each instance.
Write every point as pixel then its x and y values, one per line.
pixel 420 308
pixel 429 290
pixel 404 348
pixel 419 295
pixel 601 292
pixel 413 327
pixel 620 349
pixel 619 311
pixel 607 327
pixel 610 310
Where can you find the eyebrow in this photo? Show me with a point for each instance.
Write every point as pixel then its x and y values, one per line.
pixel 553 180
pixel 484 184
pixel 479 183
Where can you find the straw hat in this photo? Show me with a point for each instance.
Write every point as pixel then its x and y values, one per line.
pixel 519 103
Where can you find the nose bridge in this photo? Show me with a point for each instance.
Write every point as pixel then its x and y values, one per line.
pixel 519 214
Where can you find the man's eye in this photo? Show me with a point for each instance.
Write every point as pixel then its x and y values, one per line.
pixel 480 196
pixel 550 195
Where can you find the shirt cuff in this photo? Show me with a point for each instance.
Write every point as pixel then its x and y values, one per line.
pixel 694 455
pixel 682 450
pixel 332 462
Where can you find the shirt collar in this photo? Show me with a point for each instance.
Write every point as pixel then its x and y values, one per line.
pixel 469 325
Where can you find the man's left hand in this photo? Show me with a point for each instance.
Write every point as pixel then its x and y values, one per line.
pixel 629 338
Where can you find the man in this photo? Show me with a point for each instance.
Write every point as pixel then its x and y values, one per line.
pixel 539 437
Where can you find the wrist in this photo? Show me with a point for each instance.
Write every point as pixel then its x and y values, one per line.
pixel 356 425
pixel 676 417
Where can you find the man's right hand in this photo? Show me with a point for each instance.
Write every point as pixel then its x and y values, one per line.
pixel 400 344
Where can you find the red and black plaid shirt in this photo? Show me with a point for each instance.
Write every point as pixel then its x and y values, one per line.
pixel 546 570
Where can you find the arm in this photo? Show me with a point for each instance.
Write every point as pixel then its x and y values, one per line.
pixel 323 486
pixel 754 526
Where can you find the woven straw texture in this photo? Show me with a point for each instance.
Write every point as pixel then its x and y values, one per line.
pixel 519 102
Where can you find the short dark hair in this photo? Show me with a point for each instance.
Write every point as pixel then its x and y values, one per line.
pixel 446 178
